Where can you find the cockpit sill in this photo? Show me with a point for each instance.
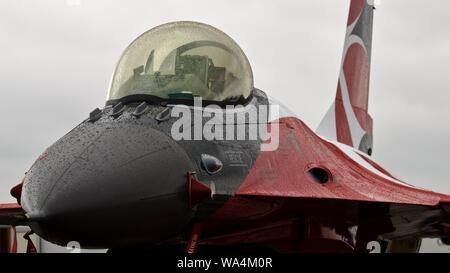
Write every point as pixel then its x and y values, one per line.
pixel 256 120
pixel 139 105
pixel 154 100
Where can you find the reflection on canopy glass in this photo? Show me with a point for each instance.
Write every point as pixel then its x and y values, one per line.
pixel 183 60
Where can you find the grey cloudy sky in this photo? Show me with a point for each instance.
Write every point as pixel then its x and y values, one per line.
pixel 57 57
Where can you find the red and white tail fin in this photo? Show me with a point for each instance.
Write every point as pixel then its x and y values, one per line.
pixel 348 121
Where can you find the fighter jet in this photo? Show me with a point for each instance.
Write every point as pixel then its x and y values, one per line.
pixel 172 161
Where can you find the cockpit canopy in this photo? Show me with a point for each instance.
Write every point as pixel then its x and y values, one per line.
pixel 183 60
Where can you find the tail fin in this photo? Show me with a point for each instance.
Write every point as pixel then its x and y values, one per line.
pixel 348 121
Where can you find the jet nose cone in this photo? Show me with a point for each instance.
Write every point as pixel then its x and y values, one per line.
pixel 122 177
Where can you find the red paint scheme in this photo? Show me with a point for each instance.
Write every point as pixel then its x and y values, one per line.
pixel 197 192
pixel 192 245
pixel 10 213
pixel 283 173
pixel 16 192
pixel 10 207
pixel 9 210
pixel 356 71
pixel 30 245
pixel 278 194
pixel 281 205
pixel 356 7
pixel 349 122
pixel 343 133
pixel 14 243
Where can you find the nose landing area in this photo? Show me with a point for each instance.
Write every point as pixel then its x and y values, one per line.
pixel 122 169
pixel 59 157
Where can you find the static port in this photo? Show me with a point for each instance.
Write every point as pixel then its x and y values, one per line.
pixel 319 175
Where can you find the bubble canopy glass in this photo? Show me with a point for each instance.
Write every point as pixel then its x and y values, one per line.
pixel 180 61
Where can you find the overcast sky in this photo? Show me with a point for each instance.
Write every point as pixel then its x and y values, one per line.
pixel 56 58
